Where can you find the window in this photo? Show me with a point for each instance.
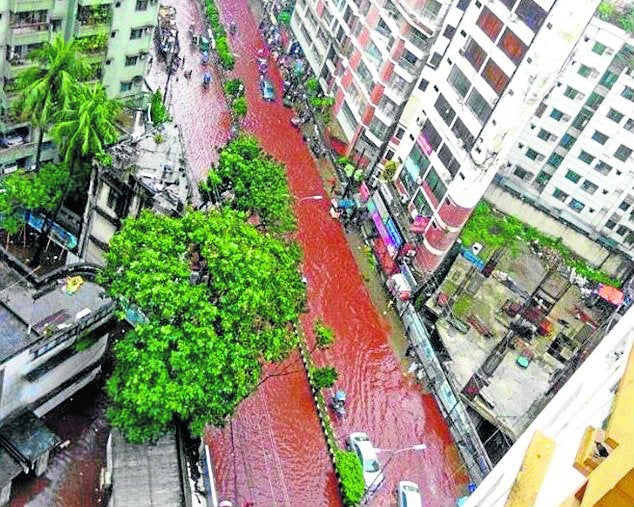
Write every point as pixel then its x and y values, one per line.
pixel 388 107
pixel 582 119
pixel 512 46
pixel 378 128
pixel 624 206
pixel 556 114
pixel 599 137
pixel 594 101
pixel 509 4
pixel 436 185
pixel 373 54
pixel 610 224
pixel 131 60
pixel 544 134
pixel 136 33
pixel 576 205
pixel 495 77
pixel 449 32
pixel 603 168
pixel 584 70
pixel 432 7
pixel 462 133
pixel 141 5
pixel 125 86
pixel 573 176
pixel 628 93
pixel 423 84
pixel 598 48
pixel 608 79
pixel 586 157
pixel 622 153
pixel 474 54
pixel 463 4
pixel 555 160
pixel 589 187
pixel 567 141
pixel 389 155
pixel 532 154
pixel 531 14
pixel 432 135
pixel 629 125
pixel 448 160
pixel 459 81
pixel 571 93
pixel 489 23
pixel 479 106
pixel 444 109
pixel 621 230
pixel 400 132
pixel 614 115
pixel 520 172
pixel 560 195
pixel 365 76
pixel 540 110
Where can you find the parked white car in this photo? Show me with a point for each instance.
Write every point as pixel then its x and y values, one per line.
pixel 361 445
pixel 408 494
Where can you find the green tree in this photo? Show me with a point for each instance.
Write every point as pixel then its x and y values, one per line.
pixel 49 86
pixel 200 352
pixel 258 182
pixel 324 377
pixel 324 335
pixel 239 107
pixel 22 193
pixel 350 473
pixel 158 113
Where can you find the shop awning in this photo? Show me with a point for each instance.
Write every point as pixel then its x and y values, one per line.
pixel 611 294
pixel 26 438
pixel 387 263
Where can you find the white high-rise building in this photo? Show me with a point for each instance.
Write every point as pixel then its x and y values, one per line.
pixel 574 157
pixel 488 73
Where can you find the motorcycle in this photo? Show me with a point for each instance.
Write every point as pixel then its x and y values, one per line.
pixel 206 80
pixel 205 58
pixel 232 28
pixel 338 403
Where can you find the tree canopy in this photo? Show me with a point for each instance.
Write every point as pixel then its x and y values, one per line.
pixel 34 191
pixel 258 182
pixel 200 352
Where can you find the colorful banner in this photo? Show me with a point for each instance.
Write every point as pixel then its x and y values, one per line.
pixel 364 191
pixel 380 227
pixel 424 144
pixel 380 206
pixel 392 230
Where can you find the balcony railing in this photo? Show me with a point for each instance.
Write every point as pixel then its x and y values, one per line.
pixel 412 68
pixel 30 5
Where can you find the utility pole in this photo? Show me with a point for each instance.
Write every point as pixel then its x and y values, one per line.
pixel 170 64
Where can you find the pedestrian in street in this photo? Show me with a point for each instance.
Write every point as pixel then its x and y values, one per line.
pixel 183 63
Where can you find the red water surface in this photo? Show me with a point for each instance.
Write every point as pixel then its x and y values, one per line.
pixel 273 452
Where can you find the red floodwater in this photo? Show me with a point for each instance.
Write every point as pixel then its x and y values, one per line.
pixel 273 452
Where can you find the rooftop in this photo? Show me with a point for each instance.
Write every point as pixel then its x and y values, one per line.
pixel 160 167
pixel 145 474
pixel 27 315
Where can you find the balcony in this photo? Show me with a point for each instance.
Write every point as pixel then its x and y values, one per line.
pixel 411 68
pixel 440 239
pixel 23 34
pixel 93 20
pixel 88 3
pixel 30 5
pixel 16 152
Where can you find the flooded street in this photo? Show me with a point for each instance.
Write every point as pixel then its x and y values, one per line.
pixel 273 452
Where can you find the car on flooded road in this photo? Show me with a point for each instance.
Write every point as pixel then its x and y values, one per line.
pixel 267 90
pixel 408 494
pixel 365 451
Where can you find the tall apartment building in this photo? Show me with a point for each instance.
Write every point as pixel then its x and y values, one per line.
pixel 573 159
pixel 367 54
pixel 115 36
pixel 478 90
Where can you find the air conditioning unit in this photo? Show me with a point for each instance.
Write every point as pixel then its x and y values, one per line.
pixel 513 17
pixel 419 122
pixel 403 199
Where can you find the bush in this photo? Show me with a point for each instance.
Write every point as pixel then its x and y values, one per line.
pixel 239 107
pixel 225 56
pixel 227 60
pixel 350 473
pixel 158 114
pixel 324 377
pixel 234 88
pixel 324 335
pixel 312 85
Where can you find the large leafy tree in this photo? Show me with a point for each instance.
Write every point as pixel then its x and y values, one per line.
pixel 49 86
pixel 22 193
pixel 258 182
pixel 200 351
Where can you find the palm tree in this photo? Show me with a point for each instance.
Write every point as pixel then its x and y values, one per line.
pixel 81 130
pixel 48 87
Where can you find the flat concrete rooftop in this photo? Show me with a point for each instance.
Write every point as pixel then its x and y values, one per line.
pixel 25 319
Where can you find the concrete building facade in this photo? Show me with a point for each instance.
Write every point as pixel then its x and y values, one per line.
pixel 115 38
pixel 55 332
pixel 470 105
pixel 574 156
pixel 368 55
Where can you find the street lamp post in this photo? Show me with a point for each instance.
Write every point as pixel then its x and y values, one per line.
pixel 309 198
pixel 416 447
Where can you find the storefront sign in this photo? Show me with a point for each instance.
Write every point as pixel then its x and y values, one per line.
pixel 392 230
pixel 424 144
pixel 380 206
pixel 419 224
pixel 380 227
pixel 364 191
